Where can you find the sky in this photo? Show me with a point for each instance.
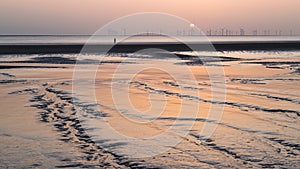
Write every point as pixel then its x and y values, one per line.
pixel 87 16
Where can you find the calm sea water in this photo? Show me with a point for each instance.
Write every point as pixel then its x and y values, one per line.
pixel 66 39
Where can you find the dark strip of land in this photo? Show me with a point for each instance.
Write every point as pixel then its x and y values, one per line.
pixel 29 67
pixel 133 47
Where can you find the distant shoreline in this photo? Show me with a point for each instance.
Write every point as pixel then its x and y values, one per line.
pixel 130 47
pixel 34 35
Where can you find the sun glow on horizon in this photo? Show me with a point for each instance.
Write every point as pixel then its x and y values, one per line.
pixel 76 16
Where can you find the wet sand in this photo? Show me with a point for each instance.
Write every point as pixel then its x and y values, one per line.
pixel 44 126
pixel 130 47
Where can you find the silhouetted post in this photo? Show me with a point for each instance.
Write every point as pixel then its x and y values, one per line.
pixel 115 40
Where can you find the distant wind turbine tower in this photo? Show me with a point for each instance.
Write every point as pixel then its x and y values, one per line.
pixel 242 32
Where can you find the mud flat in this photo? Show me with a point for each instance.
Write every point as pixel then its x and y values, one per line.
pixel 44 126
pixel 127 47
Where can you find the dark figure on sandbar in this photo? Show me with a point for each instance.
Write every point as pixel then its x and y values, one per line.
pixel 115 40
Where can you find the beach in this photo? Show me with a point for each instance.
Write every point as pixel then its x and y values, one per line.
pixel 130 47
pixel 130 84
pixel 44 125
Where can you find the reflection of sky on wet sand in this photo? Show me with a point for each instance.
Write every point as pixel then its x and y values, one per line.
pixel 148 103
pixel 259 126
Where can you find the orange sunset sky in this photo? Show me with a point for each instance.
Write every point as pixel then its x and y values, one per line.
pixel 86 16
